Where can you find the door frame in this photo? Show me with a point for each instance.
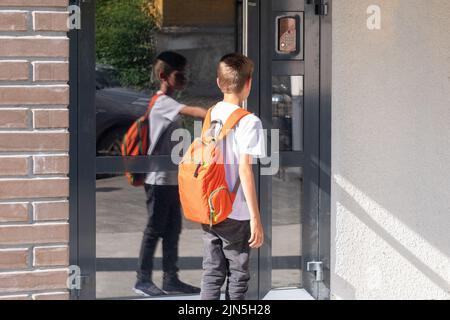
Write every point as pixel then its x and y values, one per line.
pixel 315 158
pixel 82 128
pixel 84 165
pixel 323 292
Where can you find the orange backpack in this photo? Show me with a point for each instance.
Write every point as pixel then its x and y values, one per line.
pixel 136 142
pixel 204 193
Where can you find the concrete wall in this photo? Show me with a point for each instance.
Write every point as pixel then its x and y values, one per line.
pixel 391 151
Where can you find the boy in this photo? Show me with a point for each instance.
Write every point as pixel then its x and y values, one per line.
pixel 227 244
pixel 161 187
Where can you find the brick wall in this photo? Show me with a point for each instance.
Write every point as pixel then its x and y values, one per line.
pixel 34 144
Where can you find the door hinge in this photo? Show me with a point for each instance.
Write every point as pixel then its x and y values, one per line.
pixel 321 7
pixel 317 268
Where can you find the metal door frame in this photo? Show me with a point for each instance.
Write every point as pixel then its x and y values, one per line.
pixel 315 159
pixel 317 149
pixel 252 39
pixel 82 152
pixel 323 291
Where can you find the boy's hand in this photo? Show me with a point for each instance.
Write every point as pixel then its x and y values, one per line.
pixel 195 112
pixel 256 234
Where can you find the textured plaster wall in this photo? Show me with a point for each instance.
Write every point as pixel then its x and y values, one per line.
pixel 391 151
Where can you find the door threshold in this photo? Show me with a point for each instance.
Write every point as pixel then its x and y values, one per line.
pixel 274 294
pixel 177 297
pixel 288 294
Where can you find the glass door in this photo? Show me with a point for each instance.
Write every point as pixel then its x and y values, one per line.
pixel 123 89
pixel 290 108
pixel 109 91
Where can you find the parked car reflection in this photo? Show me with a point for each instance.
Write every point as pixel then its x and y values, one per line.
pixel 116 109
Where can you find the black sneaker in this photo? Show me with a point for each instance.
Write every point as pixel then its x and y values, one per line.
pixel 148 289
pixel 173 285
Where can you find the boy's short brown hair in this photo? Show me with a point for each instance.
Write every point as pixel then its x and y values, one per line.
pixel 233 71
pixel 167 62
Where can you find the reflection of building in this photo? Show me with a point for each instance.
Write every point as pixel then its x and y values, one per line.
pixel 196 13
pixel 287 111
pixel 388 134
pixel 194 29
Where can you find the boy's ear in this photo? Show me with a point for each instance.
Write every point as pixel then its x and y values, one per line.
pixel 249 82
pixel 218 83
pixel 162 76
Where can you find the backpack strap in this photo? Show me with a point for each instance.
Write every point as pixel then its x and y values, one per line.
pixel 147 114
pixel 152 103
pixel 232 121
pixel 207 122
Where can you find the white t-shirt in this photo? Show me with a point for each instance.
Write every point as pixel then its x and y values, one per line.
pixel 246 138
pixel 164 119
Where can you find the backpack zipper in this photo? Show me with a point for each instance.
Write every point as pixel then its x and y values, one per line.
pixel 197 170
pixel 212 212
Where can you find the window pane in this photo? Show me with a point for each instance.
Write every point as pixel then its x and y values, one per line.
pixel 125 83
pixel 286 227
pixel 121 220
pixel 124 76
pixel 287 111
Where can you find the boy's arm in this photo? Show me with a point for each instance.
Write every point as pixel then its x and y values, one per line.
pixel 195 112
pixel 248 186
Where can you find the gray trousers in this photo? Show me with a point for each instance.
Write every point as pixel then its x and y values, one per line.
pixel 226 256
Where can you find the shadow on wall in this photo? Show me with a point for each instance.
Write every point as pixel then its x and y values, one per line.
pixel 411 246
pixel 391 149
pixel 345 290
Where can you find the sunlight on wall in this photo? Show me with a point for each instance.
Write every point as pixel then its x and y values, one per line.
pixel 358 237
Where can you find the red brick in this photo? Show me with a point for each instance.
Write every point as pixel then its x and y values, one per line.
pixel 34 47
pixel 34 3
pixel 51 119
pixel 34 141
pixel 34 233
pixel 13 258
pixel 13 212
pixel 45 211
pixel 14 70
pixel 33 280
pixel 13 166
pixel 51 165
pixel 26 95
pixel 13 21
pixel 50 21
pixel 51 296
pixel 50 71
pixel 51 256
pixel 34 188
pixel 13 118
